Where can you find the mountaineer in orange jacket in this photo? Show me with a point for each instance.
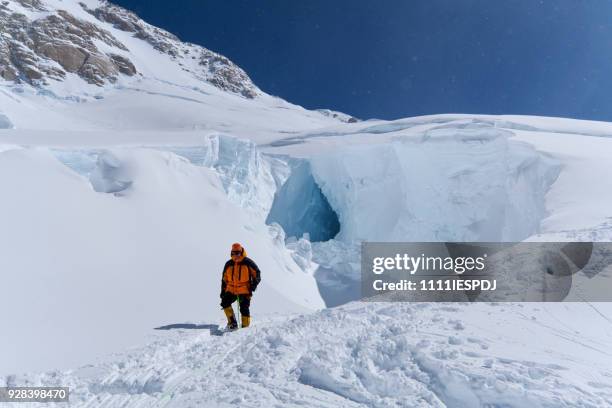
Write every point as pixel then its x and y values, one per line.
pixel 238 282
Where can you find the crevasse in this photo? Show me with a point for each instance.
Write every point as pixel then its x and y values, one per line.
pixel 446 184
pixel 301 208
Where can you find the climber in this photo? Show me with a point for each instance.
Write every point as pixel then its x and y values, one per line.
pixel 238 282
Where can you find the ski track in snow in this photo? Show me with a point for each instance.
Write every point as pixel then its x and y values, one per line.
pixel 361 354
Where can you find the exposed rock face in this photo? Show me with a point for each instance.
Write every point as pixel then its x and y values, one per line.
pixel 39 44
pixel 215 68
pixel 124 65
pixel 125 20
pixel 343 117
pixel 225 75
pixel 47 48
pixel 32 4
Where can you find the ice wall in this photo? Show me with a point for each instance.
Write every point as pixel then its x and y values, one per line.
pixel 301 208
pixel 449 184
pixel 249 179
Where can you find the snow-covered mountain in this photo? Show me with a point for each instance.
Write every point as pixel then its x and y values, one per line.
pixel 45 42
pixel 93 51
pixel 130 162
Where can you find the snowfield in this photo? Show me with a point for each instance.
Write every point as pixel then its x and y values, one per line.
pixel 130 238
pixel 95 271
pixel 366 354
pixel 120 203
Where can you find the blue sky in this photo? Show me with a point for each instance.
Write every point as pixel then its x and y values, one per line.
pixel 396 58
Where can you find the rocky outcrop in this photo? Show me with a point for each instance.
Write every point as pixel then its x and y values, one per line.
pixel 125 20
pixel 42 44
pixel 48 48
pixel 32 4
pixel 124 65
pixel 212 67
pixel 225 75
pixel 343 117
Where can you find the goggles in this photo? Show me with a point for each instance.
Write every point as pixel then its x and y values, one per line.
pixel 236 253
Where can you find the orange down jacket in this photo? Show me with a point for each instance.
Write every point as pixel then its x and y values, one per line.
pixel 240 278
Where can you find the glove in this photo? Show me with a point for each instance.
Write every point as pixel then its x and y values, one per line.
pixel 254 286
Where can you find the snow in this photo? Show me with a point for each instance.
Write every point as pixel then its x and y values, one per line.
pixel 150 104
pixel 443 185
pixel 577 201
pixel 109 175
pixel 121 202
pixel 339 272
pixel 173 225
pixel 366 354
pixel 339 115
pixel 129 229
pixel 181 205
pixel 5 123
pixel 95 272
pixel 454 178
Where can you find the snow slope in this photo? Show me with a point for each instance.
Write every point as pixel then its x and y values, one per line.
pixel 57 65
pixel 96 271
pixel 366 354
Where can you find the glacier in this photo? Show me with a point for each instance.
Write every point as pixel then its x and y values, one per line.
pixel 472 182
pixel 442 185
pixel 120 202
pixel 443 180
pixel 481 183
